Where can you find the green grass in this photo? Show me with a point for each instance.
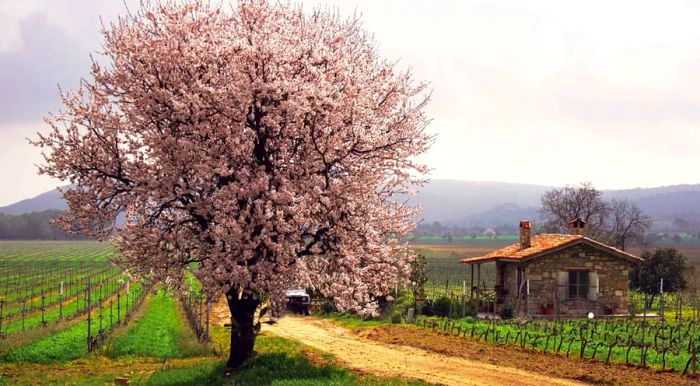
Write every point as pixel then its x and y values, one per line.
pixel 281 362
pixel 63 346
pixel 352 321
pixel 155 335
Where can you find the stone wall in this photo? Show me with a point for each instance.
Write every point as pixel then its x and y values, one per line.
pixel 613 276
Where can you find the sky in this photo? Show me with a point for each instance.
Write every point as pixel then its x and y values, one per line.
pixel 540 92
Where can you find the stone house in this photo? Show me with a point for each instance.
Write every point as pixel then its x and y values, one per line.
pixel 550 274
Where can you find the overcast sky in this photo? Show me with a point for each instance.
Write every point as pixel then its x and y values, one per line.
pixel 543 92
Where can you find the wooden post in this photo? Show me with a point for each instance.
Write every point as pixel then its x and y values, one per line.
pixel 89 318
pixel 2 303
pixel 478 282
pixel 24 311
pixel 471 283
pixel 206 333
pixel 43 308
pixel 60 303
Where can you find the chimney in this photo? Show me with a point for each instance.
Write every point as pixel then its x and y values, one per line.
pixel 577 227
pixel 525 228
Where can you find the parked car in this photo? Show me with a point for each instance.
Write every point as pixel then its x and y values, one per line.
pixel 298 301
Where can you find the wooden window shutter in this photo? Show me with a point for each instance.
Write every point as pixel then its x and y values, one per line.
pixel 592 287
pixel 563 284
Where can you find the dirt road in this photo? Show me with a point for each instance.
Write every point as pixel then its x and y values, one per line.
pixel 391 360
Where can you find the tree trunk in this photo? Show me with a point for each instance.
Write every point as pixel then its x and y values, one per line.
pixel 242 329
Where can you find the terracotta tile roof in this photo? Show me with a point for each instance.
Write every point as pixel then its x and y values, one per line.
pixel 543 244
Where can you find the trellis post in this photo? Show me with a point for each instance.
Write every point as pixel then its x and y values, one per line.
pixel 89 315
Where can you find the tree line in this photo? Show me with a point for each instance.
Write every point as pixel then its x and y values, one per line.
pixel 32 226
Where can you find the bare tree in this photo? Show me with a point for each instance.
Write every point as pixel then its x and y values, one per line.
pixel 627 223
pixel 618 222
pixel 559 206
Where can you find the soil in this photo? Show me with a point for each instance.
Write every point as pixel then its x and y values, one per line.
pixel 438 357
pixel 360 350
pixel 589 371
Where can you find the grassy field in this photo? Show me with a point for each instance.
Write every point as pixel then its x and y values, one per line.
pixel 444 267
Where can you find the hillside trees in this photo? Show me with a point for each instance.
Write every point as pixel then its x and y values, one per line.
pixel 263 143
pixel 32 226
pixel 618 222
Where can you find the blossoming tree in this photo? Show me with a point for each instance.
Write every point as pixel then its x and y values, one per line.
pixel 262 143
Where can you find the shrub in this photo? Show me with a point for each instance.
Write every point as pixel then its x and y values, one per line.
pixel 441 306
pixel 471 308
pixel 396 317
pixel 506 312
pixel 327 307
pixel 427 308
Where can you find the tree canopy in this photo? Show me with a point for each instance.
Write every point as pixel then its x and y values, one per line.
pixel 664 263
pixel 263 143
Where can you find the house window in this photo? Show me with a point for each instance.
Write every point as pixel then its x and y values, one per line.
pixel 578 284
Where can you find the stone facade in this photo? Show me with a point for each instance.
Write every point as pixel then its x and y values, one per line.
pixel 548 275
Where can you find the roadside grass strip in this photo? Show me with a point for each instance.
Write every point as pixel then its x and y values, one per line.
pixel 156 334
pixel 280 362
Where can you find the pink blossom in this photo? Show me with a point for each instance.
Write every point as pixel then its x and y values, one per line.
pixel 263 143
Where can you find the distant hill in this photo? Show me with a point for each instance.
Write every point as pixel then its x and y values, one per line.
pixel 469 203
pixel 466 202
pixel 45 201
pixel 486 204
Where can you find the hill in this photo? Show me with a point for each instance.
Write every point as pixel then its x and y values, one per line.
pixel 481 204
pixel 469 203
pixel 51 200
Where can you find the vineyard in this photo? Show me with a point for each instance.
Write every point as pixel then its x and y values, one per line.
pixel 64 304
pixel 654 343
pixel 69 316
pixel 60 300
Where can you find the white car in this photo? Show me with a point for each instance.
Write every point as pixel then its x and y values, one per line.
pixel 298 301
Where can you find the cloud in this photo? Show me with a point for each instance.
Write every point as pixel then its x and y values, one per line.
pixel 47 57
pixel 517 85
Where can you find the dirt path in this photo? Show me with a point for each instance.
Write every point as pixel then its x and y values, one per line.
pixel 391 360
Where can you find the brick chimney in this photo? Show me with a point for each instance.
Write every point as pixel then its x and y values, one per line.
pixel 577 227
pixel 525 228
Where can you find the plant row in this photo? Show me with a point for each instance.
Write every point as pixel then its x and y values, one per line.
pixel 643 343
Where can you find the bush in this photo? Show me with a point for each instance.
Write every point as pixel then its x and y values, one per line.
pixel 427 308
pixel 396 317
pixel 506 312
pixel 441 306
pixel 327 307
